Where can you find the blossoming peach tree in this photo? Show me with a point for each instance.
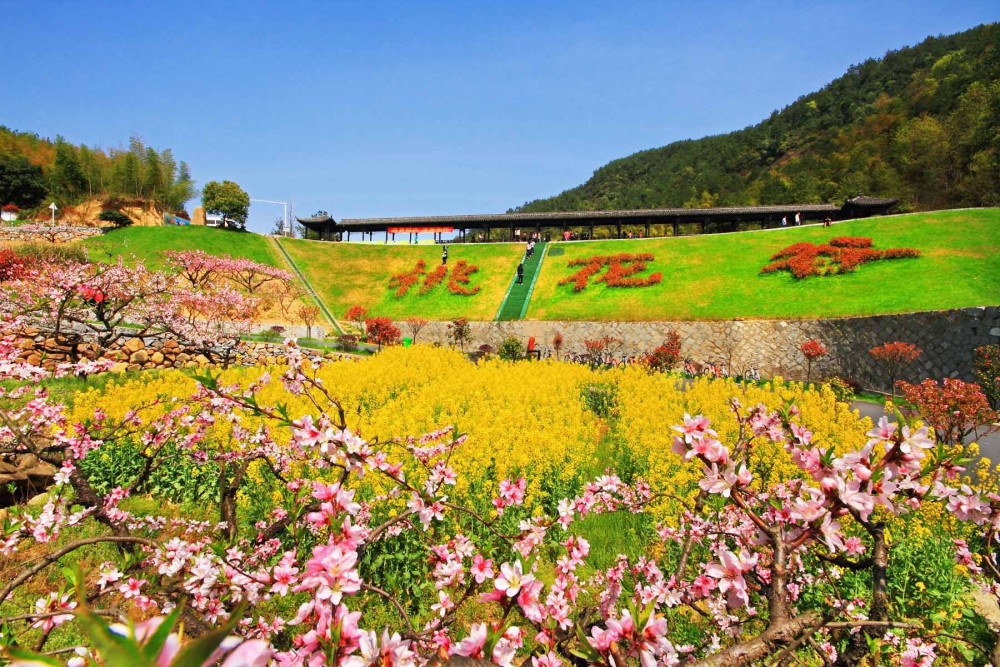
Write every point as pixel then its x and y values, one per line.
pixel 752 567
pixel 749 573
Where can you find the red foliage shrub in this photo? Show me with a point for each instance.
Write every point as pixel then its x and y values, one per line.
pixel 382 331
pixel 12 265
pixel 954 408
pixel 842 254
pixel 813 349
pixel 357 315
pixel 665 355
pixel 894 358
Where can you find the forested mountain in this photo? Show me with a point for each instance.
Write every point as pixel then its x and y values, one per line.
pixel 34 170
pixel 921 124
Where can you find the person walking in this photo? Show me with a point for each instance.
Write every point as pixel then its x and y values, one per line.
pixel 444 256
pixel 798 219
pixel 784 221
pixel 520 273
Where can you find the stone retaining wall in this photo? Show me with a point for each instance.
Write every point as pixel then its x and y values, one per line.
pixel 57 234
pixel 948 339
pixel 136 353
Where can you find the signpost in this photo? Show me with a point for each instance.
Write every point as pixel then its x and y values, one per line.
pixel 53 207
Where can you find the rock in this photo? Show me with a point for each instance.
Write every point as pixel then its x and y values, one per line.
pixel 157 358
pixel 23 476
pixel 119 367
pixel 202 360
pixel 133 368
pixel 139 357
pixel 34 359
pixel 133 345
pixel 183 357
pixel 190 364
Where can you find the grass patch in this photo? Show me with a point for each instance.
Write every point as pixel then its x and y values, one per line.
pixel 347 274
pixel 150 243
pixel 716 277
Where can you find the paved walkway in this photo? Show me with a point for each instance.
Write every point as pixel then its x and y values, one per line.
pixel 516 301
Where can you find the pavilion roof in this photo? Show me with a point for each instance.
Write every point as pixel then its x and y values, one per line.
pixel 506 218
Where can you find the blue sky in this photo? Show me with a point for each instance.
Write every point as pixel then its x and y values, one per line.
pixel 371 108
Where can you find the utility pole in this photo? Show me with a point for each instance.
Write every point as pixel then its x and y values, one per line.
pixel 285 226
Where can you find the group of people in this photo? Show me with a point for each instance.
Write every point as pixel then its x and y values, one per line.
pixel 798 220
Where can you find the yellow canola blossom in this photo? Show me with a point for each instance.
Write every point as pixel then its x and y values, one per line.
pixel 526 419
pixel 650 404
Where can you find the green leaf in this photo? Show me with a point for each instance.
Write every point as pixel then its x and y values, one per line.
pixel 158 639
pixel 30 659
pixel 114 649
pixel 197 652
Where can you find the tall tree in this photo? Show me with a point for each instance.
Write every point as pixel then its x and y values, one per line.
pixel 21 182
pixel 68 181
pixel 227 199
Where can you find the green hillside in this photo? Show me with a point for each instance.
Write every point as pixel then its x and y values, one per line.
pixel 718 276
pixel 347 274
pixel 921 124
pixel 150 243
pixel 713 276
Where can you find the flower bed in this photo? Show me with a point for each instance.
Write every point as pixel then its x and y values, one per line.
pixel 457 283
pixel 621 268
pixel 841 255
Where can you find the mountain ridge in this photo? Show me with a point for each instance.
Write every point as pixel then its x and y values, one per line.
pixel 921 124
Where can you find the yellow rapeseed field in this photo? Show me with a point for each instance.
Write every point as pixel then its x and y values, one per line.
pixel 522 418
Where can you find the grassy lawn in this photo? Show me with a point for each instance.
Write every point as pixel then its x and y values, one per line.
pixel 345 274
pixel 717 276
pixel 150 243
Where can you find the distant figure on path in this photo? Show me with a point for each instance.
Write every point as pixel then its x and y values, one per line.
pixel 784 221
pixel 798 219
pixel 520 273
pixel 444 256
pixel 827 221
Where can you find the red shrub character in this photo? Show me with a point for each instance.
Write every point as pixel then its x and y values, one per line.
pixel 434 278
pixel 841 255
pixel 402 282
pixel 460 278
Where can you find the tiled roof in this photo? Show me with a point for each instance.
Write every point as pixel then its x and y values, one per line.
pixel 502 218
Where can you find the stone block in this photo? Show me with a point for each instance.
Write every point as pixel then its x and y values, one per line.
pixel 139 357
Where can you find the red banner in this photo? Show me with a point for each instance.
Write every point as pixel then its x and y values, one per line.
pixel 419 230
